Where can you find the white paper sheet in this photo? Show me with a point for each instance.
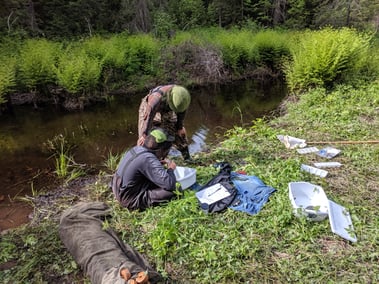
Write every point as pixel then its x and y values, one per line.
pixel 212 194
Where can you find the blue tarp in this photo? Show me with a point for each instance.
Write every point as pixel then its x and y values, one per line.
pixel 252 194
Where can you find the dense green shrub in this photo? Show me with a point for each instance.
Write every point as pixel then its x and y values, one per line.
pixel 141 54
pixel 307 58
pixel 123 56
pixel 77 72
pixel 111 51
pixel 36 63
pixel 321 58
pixel 270 48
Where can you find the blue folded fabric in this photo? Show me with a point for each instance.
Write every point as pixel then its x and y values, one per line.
pixel 252 193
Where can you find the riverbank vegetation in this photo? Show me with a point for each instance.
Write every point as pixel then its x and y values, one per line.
pixel 75 73
pixel 334 97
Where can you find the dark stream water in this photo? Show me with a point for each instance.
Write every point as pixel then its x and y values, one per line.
pixel 27 167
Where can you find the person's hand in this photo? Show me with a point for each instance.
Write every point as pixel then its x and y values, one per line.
pixel 170 164
pixel 140 141
pixel 182 132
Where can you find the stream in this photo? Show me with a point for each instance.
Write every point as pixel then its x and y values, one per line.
pixel 27 166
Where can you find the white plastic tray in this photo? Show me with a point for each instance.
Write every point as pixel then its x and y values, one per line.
pixel 308 200
pixel 314 171
pixel 185 176
pixel 327 165
pixel 340 221
pixel 328 152
pixel 307 150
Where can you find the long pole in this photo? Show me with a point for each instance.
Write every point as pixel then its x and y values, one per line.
pixel 344 142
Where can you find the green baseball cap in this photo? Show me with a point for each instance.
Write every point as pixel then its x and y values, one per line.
pixel 179 99
pixel 161 136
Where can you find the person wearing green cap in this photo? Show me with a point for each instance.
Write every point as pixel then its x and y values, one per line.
pixel 165 107
pixel 144 177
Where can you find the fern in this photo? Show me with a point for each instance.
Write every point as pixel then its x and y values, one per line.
pixel 324 57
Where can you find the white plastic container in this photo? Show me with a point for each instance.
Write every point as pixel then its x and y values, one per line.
pixel 185 176
pixel 308 200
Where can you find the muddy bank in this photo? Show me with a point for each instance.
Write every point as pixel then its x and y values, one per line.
pixel 34 209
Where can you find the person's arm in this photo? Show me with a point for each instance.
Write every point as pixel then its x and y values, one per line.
pixel 153 103
pixel 158 174
pixel 180 120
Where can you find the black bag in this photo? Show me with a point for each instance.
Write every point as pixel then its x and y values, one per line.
pixel 223 178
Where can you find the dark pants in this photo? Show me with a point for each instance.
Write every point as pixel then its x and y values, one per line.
pixel 145 199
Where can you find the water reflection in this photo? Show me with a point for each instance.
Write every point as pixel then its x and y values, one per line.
pixel 198 142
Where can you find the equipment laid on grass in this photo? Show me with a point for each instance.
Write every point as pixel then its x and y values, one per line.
pixel 310 200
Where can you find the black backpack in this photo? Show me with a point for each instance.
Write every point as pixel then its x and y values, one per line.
pixel 223 178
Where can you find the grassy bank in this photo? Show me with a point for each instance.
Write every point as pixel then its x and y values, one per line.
pixel 188 246
pixel 326 70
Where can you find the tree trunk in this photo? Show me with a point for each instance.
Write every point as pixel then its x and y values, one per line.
pixel 279 12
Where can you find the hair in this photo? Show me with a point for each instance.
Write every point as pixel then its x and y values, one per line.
pixel 160 149
pixel 150 143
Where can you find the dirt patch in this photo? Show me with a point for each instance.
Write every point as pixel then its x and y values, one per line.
pixel 13 214
pixel 52 204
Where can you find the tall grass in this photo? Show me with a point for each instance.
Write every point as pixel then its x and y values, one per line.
pixel 271 48
pixel 236 48
pixel 244 50
pixel 65 166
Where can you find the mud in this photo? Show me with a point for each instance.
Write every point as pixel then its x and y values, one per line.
pixel 15 212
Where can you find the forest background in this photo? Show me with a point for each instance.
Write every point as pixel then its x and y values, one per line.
pixel 325 51
pixel 65 19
